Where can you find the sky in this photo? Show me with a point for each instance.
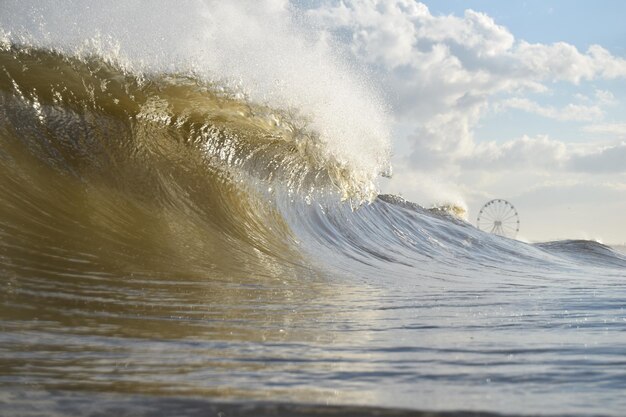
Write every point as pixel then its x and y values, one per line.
pixel 521 100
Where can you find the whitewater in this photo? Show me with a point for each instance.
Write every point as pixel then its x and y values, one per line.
pixel 190 224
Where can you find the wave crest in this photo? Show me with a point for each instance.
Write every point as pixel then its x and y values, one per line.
pixel 256 55
pixel 234 134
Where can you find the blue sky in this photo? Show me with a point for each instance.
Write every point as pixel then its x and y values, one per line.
pixel 579 22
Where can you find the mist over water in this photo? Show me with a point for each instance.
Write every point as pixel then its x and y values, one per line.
pixel 188 210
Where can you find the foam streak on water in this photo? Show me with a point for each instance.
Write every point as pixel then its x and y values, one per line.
pixel 167 239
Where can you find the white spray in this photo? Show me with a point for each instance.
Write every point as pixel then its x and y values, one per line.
pixel 263 49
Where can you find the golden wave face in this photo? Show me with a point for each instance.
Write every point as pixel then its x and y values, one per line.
pixel 129 174
pixel 168 151
pixel 233 132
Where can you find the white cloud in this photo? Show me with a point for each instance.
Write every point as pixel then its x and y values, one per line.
pixel 455 55
pixel 571 112
pixel 558 61
pixel 441 72
pixel 560 193
pixel 605 97
pixel 614 129
pixel 443 139
pixel 608 160
pixel 430 63
pixel 526 152
pixel 605 64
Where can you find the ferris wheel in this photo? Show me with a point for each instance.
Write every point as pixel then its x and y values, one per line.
pixel 499 217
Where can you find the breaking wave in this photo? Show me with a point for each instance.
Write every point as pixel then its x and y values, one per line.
pixel 162 191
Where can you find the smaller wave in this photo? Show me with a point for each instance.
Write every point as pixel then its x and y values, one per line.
pixel 587 251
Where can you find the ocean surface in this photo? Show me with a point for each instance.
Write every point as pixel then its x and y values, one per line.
pixel 170 237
